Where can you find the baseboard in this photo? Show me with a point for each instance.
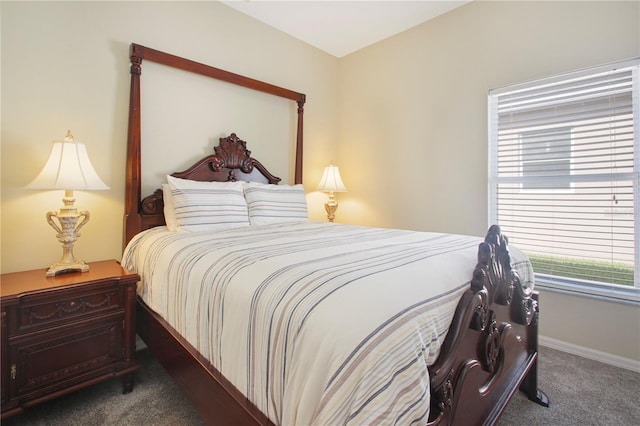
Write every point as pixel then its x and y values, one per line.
pixel 607 358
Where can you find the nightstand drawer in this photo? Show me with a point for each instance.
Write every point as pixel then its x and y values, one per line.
pixel 47 362
pixel 35 313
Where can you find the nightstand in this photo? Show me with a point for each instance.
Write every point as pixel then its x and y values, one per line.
pixel 64 333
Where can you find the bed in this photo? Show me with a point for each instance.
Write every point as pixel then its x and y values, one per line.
pixel 299 322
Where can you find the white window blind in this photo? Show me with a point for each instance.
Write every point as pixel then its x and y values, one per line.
pixel 564 173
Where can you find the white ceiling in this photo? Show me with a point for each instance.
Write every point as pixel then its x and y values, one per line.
pixel 342 27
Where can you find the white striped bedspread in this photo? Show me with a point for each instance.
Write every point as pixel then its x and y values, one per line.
pixel 316 323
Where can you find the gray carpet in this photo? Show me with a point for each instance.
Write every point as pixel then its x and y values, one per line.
pixel 582 392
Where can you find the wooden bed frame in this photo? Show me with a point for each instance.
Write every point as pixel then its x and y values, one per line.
pixel 489 353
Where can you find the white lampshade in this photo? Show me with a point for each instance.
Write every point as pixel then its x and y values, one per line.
pixel 331 181
pixel 68 168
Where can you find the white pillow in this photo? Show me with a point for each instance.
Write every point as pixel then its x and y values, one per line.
pixel 208 205
pixel 169 210
pixel 275 203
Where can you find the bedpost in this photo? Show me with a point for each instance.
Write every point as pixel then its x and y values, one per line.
pixel 530 383
pixel 298 169
pixel 132 219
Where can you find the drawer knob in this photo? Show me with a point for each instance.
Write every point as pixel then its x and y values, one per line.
pixel 13 372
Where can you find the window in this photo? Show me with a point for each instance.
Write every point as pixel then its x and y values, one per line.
pixel 564 169
pixel 546 153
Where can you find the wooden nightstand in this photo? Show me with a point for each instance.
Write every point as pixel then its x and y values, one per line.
pixel 64 333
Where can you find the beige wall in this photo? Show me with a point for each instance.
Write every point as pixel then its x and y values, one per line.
pixel 65 65
pixel 420 100
pixel 405 119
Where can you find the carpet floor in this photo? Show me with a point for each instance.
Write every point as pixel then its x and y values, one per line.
pixel 581 391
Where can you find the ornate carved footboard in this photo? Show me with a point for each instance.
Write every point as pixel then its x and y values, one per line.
pixel 491 348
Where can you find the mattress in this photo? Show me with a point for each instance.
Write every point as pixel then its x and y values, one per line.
pixel 316 323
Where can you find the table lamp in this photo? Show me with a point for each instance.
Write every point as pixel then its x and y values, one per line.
pixel 68 168
pixel 331 182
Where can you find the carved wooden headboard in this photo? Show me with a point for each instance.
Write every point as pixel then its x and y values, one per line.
pixel 231 162
pixel 141 215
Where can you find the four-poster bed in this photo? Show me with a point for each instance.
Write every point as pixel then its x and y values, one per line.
pixel 490 349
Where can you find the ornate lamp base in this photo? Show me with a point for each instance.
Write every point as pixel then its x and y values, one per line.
pixel 331 206
pixel 61 268
pixel 67 234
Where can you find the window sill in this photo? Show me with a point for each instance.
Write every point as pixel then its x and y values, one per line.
pixel 617 294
